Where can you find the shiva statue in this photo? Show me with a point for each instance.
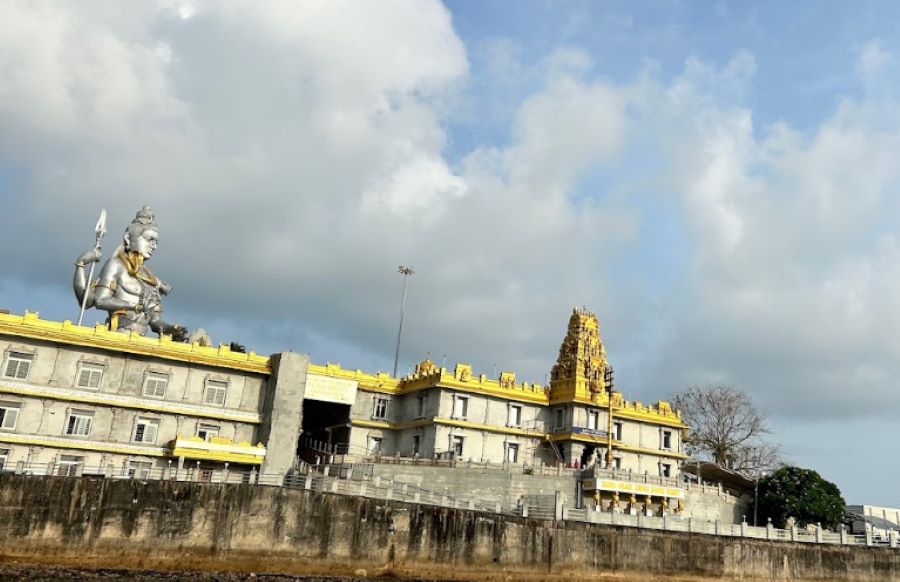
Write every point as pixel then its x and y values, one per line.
pixel 126 289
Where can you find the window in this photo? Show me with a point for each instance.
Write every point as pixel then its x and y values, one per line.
pixel 68 465
pixel 558 418
pixel 215 392
pixel 380 410
pixel 375 445
pixel 9 414
pixel 665 469
pixel 456 445
pixel 514 415
pixel 420 406
pixel 4 458
pixel 140 469
pixel 89 376
pixel 460 407
pixel 667 439
pixel 79 423
pixel 617 430
pixel 17 365
pixel 617 462
pixel 417 445
pixel 593 419
pixel 207 431
pixel 512 452
pixel 155 385
pixel 145 430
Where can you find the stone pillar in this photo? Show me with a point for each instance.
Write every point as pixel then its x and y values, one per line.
pixel 558 506
pixel 282 410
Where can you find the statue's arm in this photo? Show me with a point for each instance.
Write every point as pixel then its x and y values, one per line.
pixel 159 326
pixel 104 292
pixel 80 283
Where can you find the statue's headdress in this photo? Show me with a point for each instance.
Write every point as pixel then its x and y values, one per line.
pixel 145 217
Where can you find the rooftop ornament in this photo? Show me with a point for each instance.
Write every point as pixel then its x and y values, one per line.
pixel 126 289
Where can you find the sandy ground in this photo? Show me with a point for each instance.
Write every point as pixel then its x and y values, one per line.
pixel 254 569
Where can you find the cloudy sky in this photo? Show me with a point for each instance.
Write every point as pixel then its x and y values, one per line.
pixel 718 181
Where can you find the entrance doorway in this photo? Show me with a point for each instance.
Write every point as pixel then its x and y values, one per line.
pixel 325 430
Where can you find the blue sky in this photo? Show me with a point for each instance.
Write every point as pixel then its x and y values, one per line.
pixel 718 181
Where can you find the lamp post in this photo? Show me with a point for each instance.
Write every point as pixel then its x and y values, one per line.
pixel 756 498
pixel 406 272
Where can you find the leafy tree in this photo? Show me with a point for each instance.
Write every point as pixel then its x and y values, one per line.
pixel 726 428
pixel 802 494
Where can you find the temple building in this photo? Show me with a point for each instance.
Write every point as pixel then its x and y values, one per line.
pixel 436 412
pixel 80 399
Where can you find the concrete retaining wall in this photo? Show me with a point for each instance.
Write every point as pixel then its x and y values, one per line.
pixel 187 525
pixel 506 486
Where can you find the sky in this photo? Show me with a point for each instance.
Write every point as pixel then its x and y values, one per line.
pixel 718 181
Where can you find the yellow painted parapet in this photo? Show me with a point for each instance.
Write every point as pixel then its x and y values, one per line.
pixel 380 382
pixel 31 326
pixel 428 375
pixel 218 449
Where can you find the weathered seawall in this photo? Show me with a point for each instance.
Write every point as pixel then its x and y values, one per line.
pixel 190 525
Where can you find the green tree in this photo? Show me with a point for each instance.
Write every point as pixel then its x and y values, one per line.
pixel 802 494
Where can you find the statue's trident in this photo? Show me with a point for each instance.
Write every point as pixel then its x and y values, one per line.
pixel 99 231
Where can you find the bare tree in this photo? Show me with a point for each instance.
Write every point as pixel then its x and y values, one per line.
pixel 726 428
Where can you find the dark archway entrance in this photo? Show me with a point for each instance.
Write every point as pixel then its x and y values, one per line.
pixel 325 430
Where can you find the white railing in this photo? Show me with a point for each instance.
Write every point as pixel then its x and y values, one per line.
pixel 332 480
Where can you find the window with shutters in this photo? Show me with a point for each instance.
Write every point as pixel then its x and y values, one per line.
pixel 79 423
pixel 89 376
pixel 420 406
pixel 514 415
pixel 17 365
pixel 512 453
pixel 145 430
pixel 67 465
pixel 155 385
pixel 559 418
pixel 593 418
pixel 380 409
pixel 667 439
pixel 9 414
pixel 215 392
pixel 207 431
pixel 460 407
pixel 140 469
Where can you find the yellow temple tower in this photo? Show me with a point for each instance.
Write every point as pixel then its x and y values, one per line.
pixel 581 372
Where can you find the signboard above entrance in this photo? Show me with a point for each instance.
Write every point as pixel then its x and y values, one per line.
pixel 326 389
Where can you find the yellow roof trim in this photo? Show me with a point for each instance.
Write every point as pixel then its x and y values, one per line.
pixel 30 326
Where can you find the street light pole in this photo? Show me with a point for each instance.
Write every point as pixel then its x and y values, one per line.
pixel 756 498
pixel 406 272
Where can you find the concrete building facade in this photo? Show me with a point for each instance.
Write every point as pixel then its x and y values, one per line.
pixel 86 399
pixel 77 399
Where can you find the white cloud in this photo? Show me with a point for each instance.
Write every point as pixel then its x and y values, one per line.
pixel 296 156
pixel 872 57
